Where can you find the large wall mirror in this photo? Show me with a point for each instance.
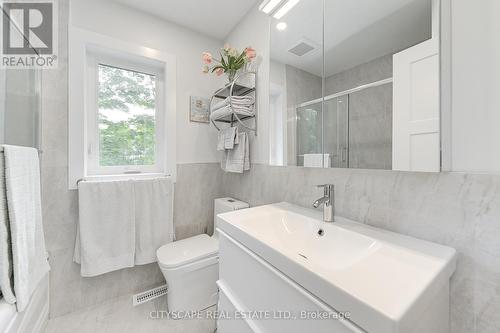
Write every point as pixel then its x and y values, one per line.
pixel 355 84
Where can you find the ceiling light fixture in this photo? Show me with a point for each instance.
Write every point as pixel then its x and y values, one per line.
pixel 281 26
pixel 277 8
pixel 268 6
pixel 285 8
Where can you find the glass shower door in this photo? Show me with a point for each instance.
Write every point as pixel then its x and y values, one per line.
pixel 20 107
pixel 336 131
pixel 309 135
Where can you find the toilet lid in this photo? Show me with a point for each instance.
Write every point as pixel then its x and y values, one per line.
pixel 187 251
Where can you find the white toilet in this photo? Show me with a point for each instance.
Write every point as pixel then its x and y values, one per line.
pixel 191 266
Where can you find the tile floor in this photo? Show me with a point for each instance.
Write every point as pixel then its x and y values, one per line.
pixel 118 315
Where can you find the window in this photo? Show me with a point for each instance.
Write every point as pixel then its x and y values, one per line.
pixel 125 117
pixel 122 109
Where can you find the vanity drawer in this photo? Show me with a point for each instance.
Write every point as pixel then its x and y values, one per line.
pixel 282 304
pixel 227 305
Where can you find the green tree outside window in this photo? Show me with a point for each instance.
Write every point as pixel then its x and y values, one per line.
pixel 126 117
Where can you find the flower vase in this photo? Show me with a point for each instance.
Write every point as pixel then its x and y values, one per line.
pixel 231 75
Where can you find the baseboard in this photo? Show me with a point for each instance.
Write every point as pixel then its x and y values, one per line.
pixel 42 320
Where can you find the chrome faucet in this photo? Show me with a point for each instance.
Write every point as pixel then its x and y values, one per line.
pixel 328 203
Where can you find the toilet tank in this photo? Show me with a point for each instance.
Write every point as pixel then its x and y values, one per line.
pixel 224 205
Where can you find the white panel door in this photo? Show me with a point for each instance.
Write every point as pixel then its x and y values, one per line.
pixel 416 138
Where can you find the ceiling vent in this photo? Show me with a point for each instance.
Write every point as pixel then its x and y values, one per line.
pixel 303 47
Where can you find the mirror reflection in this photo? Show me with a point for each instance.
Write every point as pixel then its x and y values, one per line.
pixel 20 107
pixel 360 90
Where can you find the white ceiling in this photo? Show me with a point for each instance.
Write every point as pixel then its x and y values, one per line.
pixel 355 32
pixel 215 18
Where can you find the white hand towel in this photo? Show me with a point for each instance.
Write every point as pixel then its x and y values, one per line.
pixel 246 100
pixel 317 160
pixel 231 137
pixel 237 160
pixel 227 138
pixel 227 111
pixel 106 226
pixel 246 160
pixel 29 257
pixel 6 277
pixel 153 217
pixel 221 139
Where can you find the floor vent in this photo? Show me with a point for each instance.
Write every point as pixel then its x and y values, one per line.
pixel 149 295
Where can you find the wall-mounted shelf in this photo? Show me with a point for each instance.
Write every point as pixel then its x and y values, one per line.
pixel 236 89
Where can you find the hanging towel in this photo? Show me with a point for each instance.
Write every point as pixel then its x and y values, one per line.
pixel 237 160
pixel 122 223
pixel 228 137
pixel 6 277
pixel 29 256
pixel 153 217
pixel 221 137
pixel 106 231
pixel 232 138
pixel 317 160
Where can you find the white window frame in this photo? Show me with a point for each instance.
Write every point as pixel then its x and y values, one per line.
pixel 93 144
pixel 86 50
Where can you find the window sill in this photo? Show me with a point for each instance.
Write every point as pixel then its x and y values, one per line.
pixel 125 176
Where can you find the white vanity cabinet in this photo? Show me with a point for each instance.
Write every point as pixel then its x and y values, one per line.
pixel 265 300
pixel 282 269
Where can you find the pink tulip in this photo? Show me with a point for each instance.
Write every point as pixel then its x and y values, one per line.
pixel 207 57
pixel 250 53
pixel 219 71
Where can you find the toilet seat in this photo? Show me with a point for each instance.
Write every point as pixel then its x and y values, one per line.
pixel 187 251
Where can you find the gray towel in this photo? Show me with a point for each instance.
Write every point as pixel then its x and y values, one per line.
pixel 237 160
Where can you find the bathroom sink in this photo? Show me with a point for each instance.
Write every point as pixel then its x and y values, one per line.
pixel 385 280
pixel 308 239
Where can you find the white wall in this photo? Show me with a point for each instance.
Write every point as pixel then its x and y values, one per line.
pixel 253 30
pixel 196 143
pixel 475 109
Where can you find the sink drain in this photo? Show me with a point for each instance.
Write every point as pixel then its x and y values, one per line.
pixel 321 232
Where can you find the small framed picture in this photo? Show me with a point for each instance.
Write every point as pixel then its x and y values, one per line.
pixel 199 109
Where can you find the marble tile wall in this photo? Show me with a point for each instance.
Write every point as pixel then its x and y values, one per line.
pixel 375 70
pixel 196 188
pixel 197 185
pixel 454 209
pixel 370 128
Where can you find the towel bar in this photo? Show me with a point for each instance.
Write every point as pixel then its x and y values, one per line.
pixel 104 177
